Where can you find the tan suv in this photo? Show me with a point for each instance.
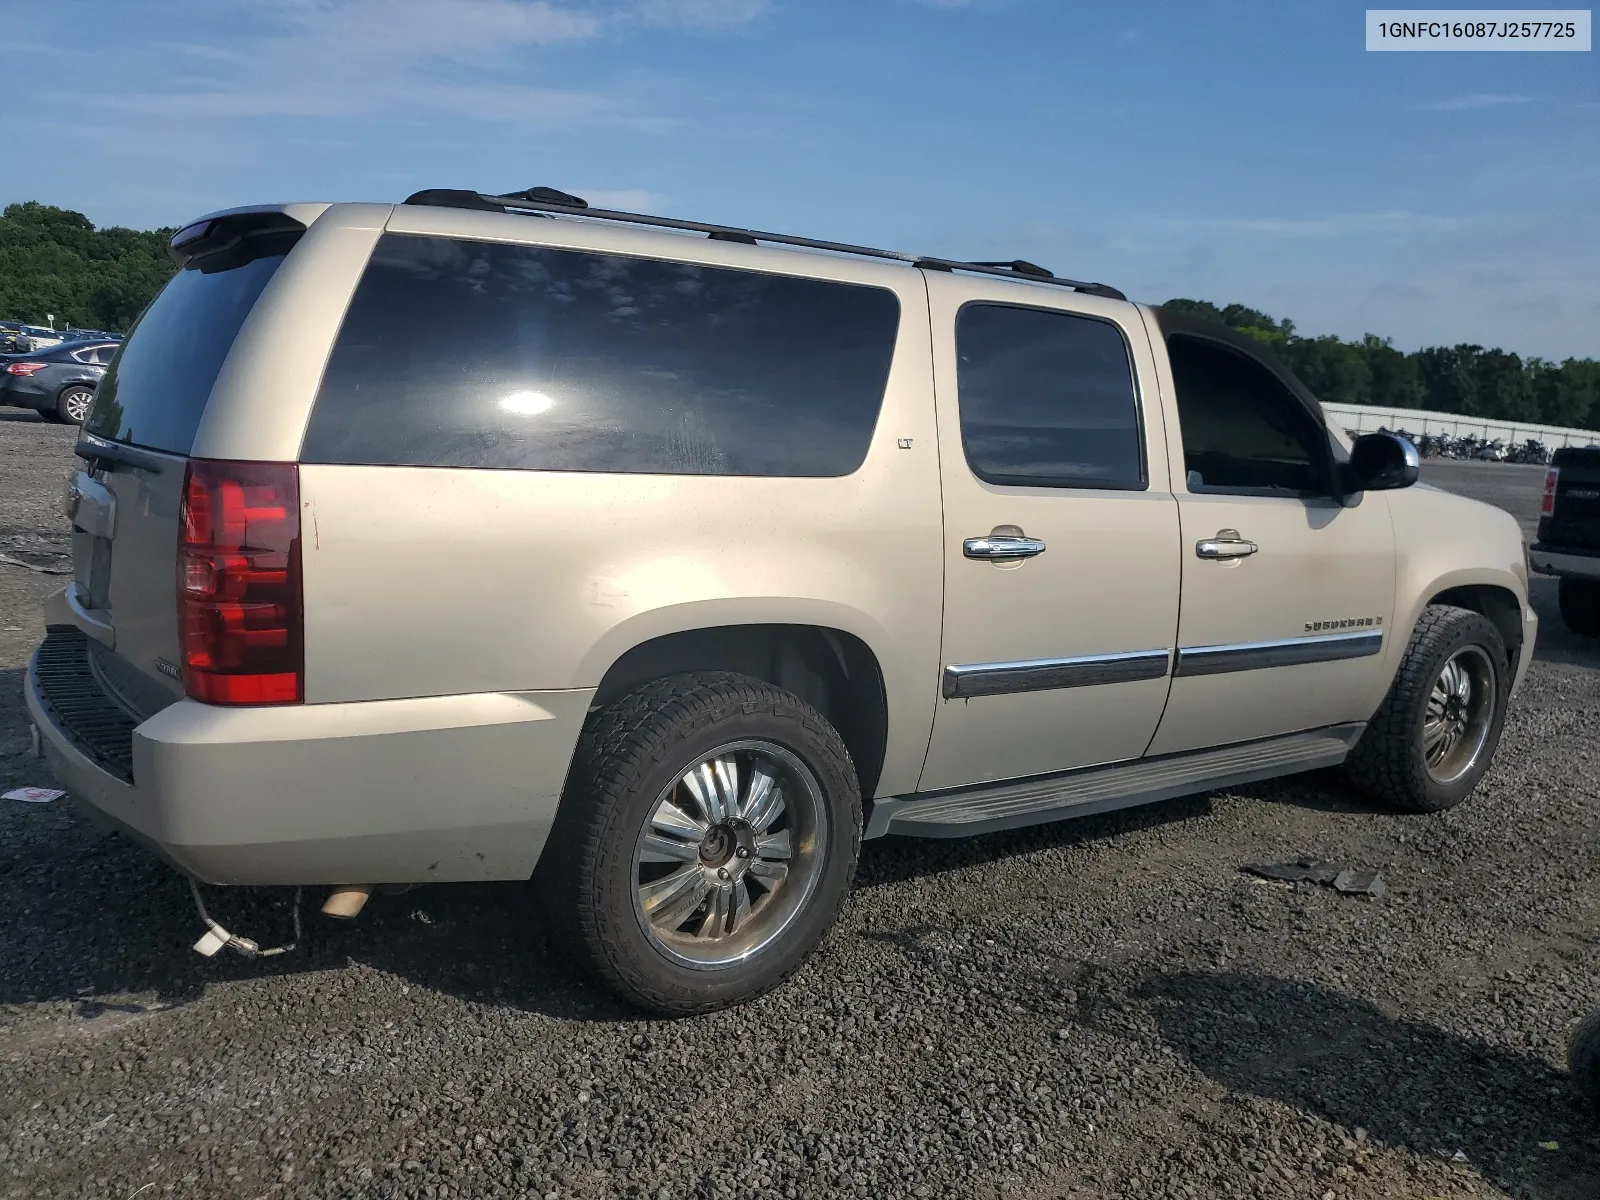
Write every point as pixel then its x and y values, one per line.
pixel 450 539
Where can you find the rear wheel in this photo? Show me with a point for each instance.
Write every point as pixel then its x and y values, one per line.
pixel 1580 605
pixel 72 405
pixel 1436 731
pixel 707 838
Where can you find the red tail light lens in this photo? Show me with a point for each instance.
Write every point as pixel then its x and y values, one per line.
pixel 1547 504
pixel 25 369
pixel 239 602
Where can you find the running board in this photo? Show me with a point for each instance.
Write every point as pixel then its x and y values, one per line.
pixel 1014 803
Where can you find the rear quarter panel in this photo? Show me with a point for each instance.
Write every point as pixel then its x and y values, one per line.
pixel 432 581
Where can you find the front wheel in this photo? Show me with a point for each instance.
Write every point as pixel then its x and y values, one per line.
pixel 1580 605
pixel 1435 733
pixel 707 837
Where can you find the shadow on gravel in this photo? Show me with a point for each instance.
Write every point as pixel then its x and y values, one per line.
pixel 1557 643
pixel 1409 1084
pixel 26 414
pixel 97 919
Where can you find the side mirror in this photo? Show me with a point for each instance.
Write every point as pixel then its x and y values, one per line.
pixel 1381 462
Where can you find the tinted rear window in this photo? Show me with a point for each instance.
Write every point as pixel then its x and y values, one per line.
pixel 1047 399
pixel 155 391
pixel 475 354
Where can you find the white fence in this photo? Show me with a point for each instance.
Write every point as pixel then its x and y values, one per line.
pixel 1358 418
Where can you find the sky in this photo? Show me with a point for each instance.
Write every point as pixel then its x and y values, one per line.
pixel 1228 150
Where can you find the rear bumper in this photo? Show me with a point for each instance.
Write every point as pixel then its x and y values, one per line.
pixel 393 791
pixel 14 396
pixel 1554 561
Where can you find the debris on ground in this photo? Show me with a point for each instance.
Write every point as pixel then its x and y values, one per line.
pixel 44 568
pixel 34 795
pixel 1352 881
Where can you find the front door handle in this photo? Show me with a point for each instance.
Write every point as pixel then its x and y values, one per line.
pixel 1001 547
pixel 1227 544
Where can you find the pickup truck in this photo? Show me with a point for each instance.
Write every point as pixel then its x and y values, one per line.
pixel 1569 535
pixel 491 537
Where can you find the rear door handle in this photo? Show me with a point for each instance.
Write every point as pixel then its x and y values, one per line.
pixel 1227 544
pixel 1001 547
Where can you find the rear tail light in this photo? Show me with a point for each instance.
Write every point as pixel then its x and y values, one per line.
pixel 1547 504
pixel 239 600
pixel 25 369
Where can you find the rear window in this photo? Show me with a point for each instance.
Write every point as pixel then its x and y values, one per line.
pixel 475 354
pixel 155 391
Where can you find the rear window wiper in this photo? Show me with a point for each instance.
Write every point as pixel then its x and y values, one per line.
pixel 97 449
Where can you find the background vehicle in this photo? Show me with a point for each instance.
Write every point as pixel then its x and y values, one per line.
pixel 59 381
pixel 1569 535
pixel 21 339
pixel 739 593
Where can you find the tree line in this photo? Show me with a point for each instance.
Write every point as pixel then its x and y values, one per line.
pixel 53 260
pixel 1466 378
pixel 56 261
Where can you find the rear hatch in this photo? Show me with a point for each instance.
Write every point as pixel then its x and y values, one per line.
pixel 124 502
pixel 1574 522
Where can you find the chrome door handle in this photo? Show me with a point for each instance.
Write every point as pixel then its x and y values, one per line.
pixel 1001 547
pixel 1227 544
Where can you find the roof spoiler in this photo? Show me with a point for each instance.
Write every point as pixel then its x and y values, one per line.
pixel 233 239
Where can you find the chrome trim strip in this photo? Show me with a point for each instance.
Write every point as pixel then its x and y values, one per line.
pixel 1048 674
pixel 1255 656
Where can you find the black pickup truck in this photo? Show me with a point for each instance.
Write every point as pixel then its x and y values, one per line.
pixel 1569 535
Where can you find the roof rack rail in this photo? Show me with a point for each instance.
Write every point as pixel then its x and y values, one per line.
pixel 545 200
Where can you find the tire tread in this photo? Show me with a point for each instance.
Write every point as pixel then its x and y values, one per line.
pixel 1386 762
pixel 620 744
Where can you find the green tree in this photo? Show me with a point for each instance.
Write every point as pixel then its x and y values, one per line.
pixel 53 260
pixel 1465 379
pixel 1395 383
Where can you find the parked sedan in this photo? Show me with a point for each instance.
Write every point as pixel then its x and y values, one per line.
pixel 58 381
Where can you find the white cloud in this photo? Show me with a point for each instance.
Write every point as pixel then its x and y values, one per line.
pixel 700 14
pixel 1476 101
pixel 394 58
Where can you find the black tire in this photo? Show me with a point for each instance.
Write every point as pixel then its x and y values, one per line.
pixel 1389 762
pixel 72 405
pixel 630 756
pixel 1580 605
pixel 1583 1057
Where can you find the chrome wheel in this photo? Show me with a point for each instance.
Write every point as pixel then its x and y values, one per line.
pixel 1460 714
pixel 75 404
pixel 729 854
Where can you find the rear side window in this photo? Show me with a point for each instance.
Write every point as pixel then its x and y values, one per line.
pixel 155 393
pixel 477 354
pixel 1047 399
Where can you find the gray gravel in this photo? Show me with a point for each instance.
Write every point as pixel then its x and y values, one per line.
pixel 1104 1009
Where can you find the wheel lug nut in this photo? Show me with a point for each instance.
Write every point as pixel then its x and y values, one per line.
pixel 722 872
pixel 744 852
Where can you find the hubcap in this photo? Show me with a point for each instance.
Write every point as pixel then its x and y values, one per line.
pixel 77 404
pixel 730 854
pixel 1460 713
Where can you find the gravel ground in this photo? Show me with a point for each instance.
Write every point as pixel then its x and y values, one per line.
pixel 1098 1009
